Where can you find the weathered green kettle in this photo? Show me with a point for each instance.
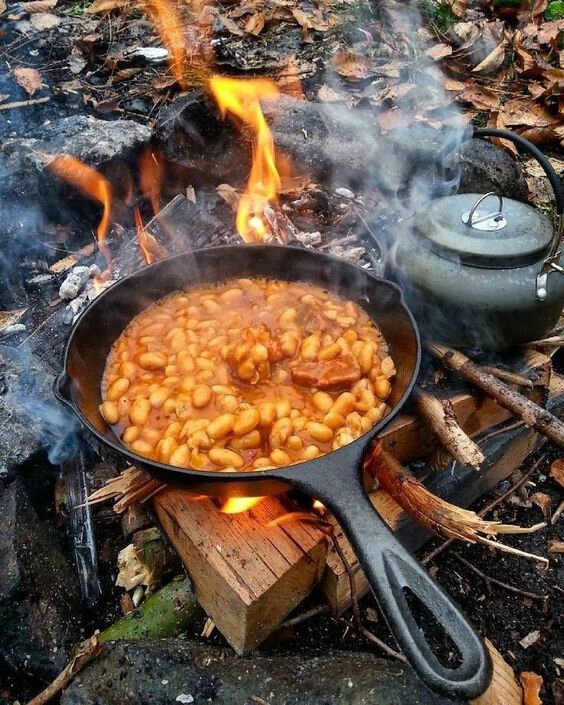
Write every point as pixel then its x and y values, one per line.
pixel 482 270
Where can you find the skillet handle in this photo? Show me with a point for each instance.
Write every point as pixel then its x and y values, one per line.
pixel 390 568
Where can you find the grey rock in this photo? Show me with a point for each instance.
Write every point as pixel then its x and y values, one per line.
pixel 485 167
pixel 32 421
pixel 38 592
pixel 159 672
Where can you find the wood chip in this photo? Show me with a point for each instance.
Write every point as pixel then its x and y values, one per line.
pixel 69 261
pixel 10 318
pixel 557 471
pixel 532 684
pixel 530 639
pixel 555 546
pixel 209 626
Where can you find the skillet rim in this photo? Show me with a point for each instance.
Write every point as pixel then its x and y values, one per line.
pixel 62 381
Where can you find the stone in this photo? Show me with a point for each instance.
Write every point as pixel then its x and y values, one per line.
pixel 485 167
pixel 39 597
pixel 165 671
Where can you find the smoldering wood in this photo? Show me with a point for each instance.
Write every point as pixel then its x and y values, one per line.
pixel 532 414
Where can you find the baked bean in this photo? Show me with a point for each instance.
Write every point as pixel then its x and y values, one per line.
pixel 117 389
pixel 322 401
pixel 139 412
pixel 201 396
pixel 207 378
pixel 319 431
pixel 152 360
pixel 246 421
pixel 224 457
pixel 110 412
pixel 221 426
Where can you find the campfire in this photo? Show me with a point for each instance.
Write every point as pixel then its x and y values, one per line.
pixel 254 431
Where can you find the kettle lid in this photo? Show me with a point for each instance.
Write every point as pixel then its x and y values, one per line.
pixel 485 230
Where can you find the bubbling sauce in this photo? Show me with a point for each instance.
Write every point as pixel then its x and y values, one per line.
pixel 251 374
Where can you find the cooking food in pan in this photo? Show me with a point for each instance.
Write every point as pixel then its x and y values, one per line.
pixel 251 374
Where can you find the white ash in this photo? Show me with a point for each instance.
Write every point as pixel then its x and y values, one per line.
pixel 91 291
pixel 76 280
pixel 345 193
pixel 12 330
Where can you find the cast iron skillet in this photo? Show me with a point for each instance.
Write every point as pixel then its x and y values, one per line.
pixel 336 479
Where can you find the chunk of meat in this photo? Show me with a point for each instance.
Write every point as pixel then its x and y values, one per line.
pixel 327 374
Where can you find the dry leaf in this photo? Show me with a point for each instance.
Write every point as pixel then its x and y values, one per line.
pixel 550 31
pixel 492 62
pixel 539 6
pixel 557 472
pixel 231 26
pixel 523 111
pixel 28 79
pixel 310 21
pixel 544 502
pixel 327 95
pixel 44 20
pixel 480 97
pixel 496 120
pixel 351 65
pixel 255 24
pixel 456 86
pixel 439 51
pixel 532 684
pixel 2 6
pixel 105 6
pixel 555 546
pixel 38 5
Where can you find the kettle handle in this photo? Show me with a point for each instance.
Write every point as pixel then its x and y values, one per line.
pixel 550 263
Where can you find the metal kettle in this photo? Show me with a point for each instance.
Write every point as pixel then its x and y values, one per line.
pixel 482 277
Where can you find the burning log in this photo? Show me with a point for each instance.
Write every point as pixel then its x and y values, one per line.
pixel 532 414
pixel 440 416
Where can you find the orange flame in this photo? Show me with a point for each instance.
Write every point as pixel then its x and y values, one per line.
pixel 150 248
pixel 151 177
pixel 170 28
pixel 91 183
pixel 241 97
pixel 236 505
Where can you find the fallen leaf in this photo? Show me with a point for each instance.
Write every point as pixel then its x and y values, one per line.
pixel 544 502
pixel 523 111
pixel 2 6
pixel 530 639
pixel 105 6
pixel 44 20
pixel 496 120
pixel 539 6
pixel 38 5
pixel 326 94
pixel 451 85
pixel 439 51
pixel 492 62
pixel 550 31
pixel 480 97
pixel 532 684
pixel 255 24
pixel 555 546
pixel 231 26
pixel 543 135
pixel 351 65
pixel 28 79
pixel 557 471
pixel 313 21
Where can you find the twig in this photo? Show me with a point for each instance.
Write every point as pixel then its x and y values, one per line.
pixel 24 103
pixel 357 624
pixel 509 377
pixel 488 508
pixel 498 431
pixel 304 616
pixel 531 413
pixel 554 341
pixel 494 581
pixel 515 551
pixel 439 415
pixel 88 650
pixel 557 513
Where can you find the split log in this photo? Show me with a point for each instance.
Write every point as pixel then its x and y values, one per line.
pixel 439 415
pixel 504 687
pixel 532 414
pixel 249 572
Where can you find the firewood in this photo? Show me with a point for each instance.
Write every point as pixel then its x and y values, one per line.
pixel 532 414
pixel 503 687
pixel 167 612
pixel 145 560
pixel 509 377
pixel 439 415
pixel 427 509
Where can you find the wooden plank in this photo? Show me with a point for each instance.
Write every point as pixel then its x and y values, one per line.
pixel 505 453
pixel 248 572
